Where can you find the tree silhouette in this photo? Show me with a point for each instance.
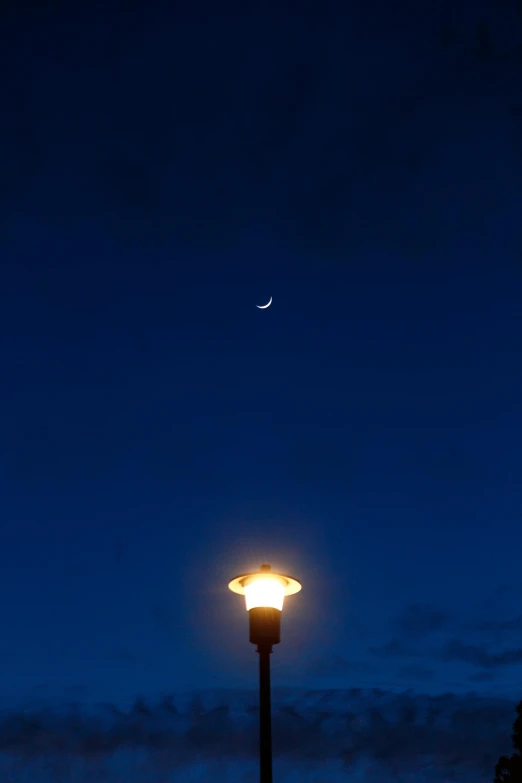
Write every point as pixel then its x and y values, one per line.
pixel 509 768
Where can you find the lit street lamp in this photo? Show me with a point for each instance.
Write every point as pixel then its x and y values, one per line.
pixel 264 593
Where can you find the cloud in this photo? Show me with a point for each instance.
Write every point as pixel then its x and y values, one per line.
pixel 481 677
pixel 456 735
pixel 515 624
pixel 395 647
pixel 337 666
pixel 419 620
pixel 414 672
pixel 456 650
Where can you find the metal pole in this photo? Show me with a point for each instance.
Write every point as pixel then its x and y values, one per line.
pixel 265 727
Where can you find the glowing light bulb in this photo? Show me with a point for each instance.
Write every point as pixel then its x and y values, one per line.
pixel 265 591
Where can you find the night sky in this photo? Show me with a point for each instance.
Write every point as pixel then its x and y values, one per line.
pixel 164 169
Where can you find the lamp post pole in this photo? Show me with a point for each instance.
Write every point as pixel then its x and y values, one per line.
pixel 264 592
pixel 265 714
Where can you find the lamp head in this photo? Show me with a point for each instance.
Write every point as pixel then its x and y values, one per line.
pixel 264 593
pixel 264 588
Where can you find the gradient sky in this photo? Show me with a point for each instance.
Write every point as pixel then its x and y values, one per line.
pixel 164 172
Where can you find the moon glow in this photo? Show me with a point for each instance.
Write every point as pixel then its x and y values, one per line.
pixel 263 307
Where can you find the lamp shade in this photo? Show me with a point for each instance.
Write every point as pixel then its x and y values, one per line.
pixel 264 588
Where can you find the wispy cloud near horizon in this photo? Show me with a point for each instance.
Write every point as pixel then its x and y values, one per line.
pixel 312 729
pixel 456 650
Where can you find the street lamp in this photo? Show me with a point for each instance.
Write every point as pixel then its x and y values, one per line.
pixel 264 594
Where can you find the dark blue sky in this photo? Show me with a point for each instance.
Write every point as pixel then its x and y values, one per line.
pixel 164 172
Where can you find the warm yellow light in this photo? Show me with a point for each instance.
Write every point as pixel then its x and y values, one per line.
pixel 264 588
pixel 265 591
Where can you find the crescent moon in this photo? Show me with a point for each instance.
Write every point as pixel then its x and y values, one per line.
pixel 263 307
